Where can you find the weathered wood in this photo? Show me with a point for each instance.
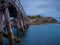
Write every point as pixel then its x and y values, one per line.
pixel 15 38
pixel 1 35
pixel 17 25
pixel 8 24
pixel 22 15
pixel 22 24
pixel 25 25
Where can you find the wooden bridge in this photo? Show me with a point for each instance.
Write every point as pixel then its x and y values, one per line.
pixel 12 14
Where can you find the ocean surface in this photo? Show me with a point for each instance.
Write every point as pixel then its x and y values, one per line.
pixel 46 34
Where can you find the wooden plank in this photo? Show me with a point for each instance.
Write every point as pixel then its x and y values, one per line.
pixel 1 35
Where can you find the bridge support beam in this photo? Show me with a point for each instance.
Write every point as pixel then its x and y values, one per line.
pixel 8 25
pixel 17 25
pixel 1 34
pixel 22 24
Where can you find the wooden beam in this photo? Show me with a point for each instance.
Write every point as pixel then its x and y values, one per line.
pixel 15 38
pixel 8 25
pixel 22 24
pixel 23 18
pixel 17 26
pixel 1 35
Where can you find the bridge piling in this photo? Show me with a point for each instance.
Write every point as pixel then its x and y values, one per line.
pixel 8 24
pixel 22 24
pixel 1 34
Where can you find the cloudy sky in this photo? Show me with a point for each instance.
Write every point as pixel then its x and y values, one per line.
pixel 42 7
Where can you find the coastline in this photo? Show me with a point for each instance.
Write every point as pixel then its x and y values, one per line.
pixel 44 23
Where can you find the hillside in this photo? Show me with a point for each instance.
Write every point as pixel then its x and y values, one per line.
pixel 41 20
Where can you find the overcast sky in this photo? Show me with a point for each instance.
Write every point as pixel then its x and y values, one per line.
pixel 42 7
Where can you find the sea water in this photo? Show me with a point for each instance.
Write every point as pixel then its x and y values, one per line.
pixel 45 34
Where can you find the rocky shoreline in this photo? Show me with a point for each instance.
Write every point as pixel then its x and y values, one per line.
pixel 41 23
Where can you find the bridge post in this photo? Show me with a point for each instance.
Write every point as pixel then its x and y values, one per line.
pixel 17 25
pixel 1 34
pixel 8 25
pixel 22 24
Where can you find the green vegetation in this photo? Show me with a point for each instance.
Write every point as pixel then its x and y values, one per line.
pixel 34 17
